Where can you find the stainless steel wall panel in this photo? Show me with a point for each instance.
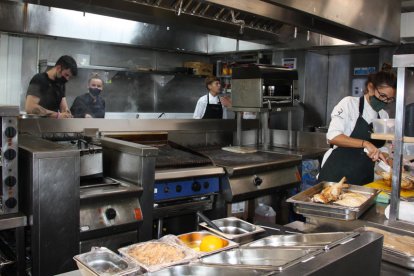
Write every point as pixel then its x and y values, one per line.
pixel 12 17
pixel 316 89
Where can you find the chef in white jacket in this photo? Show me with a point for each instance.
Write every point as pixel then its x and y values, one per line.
pixel 211 106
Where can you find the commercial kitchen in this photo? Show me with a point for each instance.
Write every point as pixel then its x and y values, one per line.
pixel 141 190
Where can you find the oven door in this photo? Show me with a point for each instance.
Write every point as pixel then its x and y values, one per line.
pixel 279 91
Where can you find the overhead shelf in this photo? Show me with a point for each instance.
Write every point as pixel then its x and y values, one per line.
pixel 383 136
pixel 131 70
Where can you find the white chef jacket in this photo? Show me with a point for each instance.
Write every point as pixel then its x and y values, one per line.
pixel 344 117
pixel 202 104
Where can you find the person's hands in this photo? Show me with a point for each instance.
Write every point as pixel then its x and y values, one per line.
pixel 88 116
pixel 225 101
pixel 373 152
pixel 65 115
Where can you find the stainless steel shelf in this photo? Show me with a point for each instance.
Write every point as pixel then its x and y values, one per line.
pixel 10 221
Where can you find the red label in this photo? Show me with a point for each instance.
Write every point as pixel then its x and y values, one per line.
pixel 138 213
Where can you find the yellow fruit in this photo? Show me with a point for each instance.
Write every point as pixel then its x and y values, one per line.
pixel 210 243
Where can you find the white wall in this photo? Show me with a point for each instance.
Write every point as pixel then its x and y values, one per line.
pixel 10 68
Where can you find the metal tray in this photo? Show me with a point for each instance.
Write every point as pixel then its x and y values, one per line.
pixel 234 228
pixel 393 256
pixel 102 261
pixel 193 241
pixel 274 259
pixel 203 270
pixel 303 205
pixel 323 241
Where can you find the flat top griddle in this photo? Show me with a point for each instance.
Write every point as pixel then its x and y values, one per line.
pixel 248 162
pixel 170 157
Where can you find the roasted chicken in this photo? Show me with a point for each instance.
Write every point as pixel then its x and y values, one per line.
pixel 330 193
pixel 407 182
pixel 350 199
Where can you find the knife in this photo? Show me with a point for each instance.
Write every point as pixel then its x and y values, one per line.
pixel 382 165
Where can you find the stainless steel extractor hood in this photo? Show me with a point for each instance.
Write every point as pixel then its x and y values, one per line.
pixel 273 22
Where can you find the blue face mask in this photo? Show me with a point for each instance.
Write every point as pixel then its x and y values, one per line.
pixel 376 103
pixel 95 91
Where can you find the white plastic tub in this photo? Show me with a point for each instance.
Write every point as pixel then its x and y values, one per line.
pixel 385 126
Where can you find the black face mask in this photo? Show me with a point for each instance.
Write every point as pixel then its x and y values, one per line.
pixel 376 103
pixel 95 91
pixel 61 80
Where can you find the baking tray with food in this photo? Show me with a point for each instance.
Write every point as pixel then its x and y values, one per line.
pixel 157 254
pixel 397 249
pixel 206 243
pixel 101 261
pixel 334 200
pixel 324 241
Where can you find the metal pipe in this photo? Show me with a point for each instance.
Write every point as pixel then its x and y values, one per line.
pixel 205 10
pixel 219 13
pixel 188 5
pixel 196 7
pixel 159 227
pixel 398 144
pixel 239 137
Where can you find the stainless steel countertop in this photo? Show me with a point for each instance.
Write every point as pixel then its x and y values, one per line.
pixel 373 216
pixel 10 221
pixel 304 153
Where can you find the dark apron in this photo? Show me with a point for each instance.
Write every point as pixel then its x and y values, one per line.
pixel 353 163
pixel 213 111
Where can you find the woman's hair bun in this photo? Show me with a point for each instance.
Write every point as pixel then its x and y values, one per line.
pixel 386 67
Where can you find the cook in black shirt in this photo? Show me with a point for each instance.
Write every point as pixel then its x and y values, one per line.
pixel 91 104
pixel 46 92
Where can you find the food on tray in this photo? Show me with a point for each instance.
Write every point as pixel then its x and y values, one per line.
pixel 154 253
pixel 211 243
pixel 350 199
pixel 330 193
pixel 407 182
pixel 403 244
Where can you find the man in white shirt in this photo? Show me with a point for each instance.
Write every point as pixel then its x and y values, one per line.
pixel 211 106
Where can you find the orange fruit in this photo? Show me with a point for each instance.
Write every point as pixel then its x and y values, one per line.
pixel 211 243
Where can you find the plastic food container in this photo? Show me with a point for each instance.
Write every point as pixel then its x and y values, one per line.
pixel 386 126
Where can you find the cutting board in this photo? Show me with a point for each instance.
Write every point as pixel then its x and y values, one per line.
pixel 380 185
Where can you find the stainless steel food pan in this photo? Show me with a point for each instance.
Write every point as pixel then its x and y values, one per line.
pixel 193 240
pixel 303 204
pixel 275 259
pixel 315 240
pixel 102 261
pixel 233 228
pixel 393 256
pixel 204 270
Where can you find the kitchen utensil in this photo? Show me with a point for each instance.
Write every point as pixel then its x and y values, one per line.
pixel 208 221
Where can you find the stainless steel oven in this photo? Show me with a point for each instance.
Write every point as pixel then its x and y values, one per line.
pixel 9 156
pixel 258 86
